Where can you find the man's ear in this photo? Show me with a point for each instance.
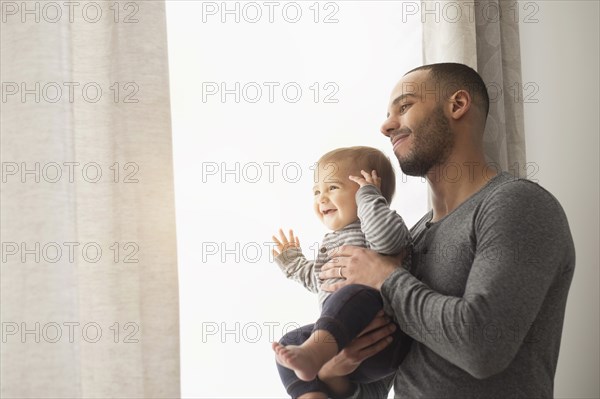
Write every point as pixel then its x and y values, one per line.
pixel 460 103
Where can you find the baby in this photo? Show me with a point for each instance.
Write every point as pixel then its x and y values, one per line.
pixel 351 197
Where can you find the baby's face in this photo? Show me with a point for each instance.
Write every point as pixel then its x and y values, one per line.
pixel 334 195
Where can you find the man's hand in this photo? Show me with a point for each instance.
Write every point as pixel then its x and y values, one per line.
pixel 284 242
pixel 372 340
pixel 359 266
pixel 366 178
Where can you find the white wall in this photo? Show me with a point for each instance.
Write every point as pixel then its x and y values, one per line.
pixel 559 54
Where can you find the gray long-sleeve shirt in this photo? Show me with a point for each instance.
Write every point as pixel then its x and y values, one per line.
pixel 378 228
pixel 484 298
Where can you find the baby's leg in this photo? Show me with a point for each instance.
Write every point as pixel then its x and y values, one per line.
pixel 383 363
pixel 348 311
pixel 294 386
pixel 345 314
pixel 307 359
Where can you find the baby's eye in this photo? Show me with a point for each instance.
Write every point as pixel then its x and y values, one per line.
pixel 317 192
pixel 333 188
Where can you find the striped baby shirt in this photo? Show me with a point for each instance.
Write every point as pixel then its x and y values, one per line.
pixel 378 228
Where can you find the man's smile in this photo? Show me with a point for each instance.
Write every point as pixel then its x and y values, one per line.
pixel 399 139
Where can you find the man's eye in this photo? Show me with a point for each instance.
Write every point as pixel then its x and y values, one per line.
pixel 403 108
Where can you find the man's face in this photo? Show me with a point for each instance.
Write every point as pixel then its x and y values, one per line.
pixel 416 125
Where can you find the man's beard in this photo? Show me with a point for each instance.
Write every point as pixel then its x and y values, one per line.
pixel 432 142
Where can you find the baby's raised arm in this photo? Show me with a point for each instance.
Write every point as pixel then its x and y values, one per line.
pixel 283 243
pixel 384 229
pixel 292 262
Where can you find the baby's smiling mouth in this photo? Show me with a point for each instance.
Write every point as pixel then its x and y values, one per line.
pixel 328 211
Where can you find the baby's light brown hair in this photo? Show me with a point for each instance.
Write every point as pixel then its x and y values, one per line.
pixel 353 159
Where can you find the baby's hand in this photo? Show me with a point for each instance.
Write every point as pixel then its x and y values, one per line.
pixel 366 178
pixel 285 243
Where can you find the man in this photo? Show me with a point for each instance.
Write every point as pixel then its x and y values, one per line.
pixel 484 296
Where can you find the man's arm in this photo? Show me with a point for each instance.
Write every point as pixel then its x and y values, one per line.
pixel 384 229
pixel 522 241
pixel 523 244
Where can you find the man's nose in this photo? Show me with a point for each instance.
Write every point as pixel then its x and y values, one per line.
pixel 389 125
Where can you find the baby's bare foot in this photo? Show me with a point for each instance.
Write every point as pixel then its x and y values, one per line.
pixel 305 364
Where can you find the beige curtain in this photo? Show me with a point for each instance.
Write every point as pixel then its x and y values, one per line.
pixel 89 274
pixel 484 34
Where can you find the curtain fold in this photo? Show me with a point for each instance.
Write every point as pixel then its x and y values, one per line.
pixel 484 35
pixel 89 265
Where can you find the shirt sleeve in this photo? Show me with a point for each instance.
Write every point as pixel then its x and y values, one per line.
pixel 384 229
pixel 522 244
pixel 297 268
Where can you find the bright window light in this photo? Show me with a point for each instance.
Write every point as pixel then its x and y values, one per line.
pixel 259 90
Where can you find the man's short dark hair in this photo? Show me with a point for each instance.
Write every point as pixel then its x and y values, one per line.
pixel 458 76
